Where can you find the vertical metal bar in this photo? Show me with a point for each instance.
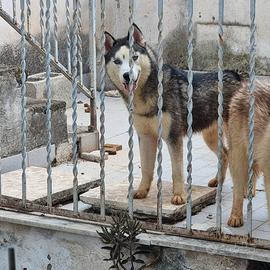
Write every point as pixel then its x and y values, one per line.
pixel 160 105
pixel 11 259
pixel 220 113
pixel 92 62
pixel 49 102
pixel 74 104
pixel 189 115
pixel 130 109
pixel 55 30
pixel 23 101
pixel 80 42
pixel 68 29
pixel 251 87
pixel 41 22
pixel 0 174
pixel 14 10
pixel 102 111
pixel 28 4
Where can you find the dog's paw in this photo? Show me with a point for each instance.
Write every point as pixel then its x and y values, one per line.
pixel 213 182
pixel 140 194
pixel 235 221
pixel 178 199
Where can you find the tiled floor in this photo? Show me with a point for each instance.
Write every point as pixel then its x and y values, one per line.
pixel 204 168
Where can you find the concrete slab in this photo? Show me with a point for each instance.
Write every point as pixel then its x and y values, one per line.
pixel 36 183
pixel 116 199
pixel 93 156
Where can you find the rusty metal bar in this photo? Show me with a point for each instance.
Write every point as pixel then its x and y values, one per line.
pixel 7 203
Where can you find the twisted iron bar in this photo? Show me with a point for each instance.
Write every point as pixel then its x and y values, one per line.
pixel 49 103
pixel 28 4
pixel 92 62
pixel 74 61
pixel 41 22
pixel 160 105
pixel 23 101
pixel 102 112
pixel 68 29
pixel 55 30
pixel 80 42
pixel 14 10
pixel 130 109
pixel 251 87
pixel 189 115
pixel 220 114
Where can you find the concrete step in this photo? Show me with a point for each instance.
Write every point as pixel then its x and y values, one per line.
pixel 93 156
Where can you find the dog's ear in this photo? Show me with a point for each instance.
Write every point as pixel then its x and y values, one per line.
pixel 109 42
pixel 138 36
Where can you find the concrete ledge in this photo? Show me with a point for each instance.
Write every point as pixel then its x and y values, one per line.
pixel 36 157
pixel 85 228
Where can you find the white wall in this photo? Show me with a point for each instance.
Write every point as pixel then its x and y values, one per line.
pixel 205 19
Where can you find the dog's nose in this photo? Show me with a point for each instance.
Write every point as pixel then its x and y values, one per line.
pixel 126 77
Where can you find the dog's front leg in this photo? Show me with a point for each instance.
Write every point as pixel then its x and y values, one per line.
pixel 176 154
pixel 148 148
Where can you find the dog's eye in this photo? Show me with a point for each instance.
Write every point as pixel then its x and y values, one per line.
pixel 117 61
pixel 135 57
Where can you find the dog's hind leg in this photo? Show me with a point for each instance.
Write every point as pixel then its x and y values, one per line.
pixel 239 172
pixel 210 136
pixel 176 154
pixel 264 160
pixel 266 175
pixel 148 148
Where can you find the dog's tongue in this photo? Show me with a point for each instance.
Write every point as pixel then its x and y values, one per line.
pixel 130 88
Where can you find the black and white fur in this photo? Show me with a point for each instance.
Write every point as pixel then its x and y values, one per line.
pixel 175 85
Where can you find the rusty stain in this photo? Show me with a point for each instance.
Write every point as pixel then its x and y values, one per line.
pixel 8 203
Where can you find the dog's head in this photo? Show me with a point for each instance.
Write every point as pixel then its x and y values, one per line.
pixel 117 61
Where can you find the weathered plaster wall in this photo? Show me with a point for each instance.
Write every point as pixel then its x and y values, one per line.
pixel 69 252
pixel 10 119
pixel 236 30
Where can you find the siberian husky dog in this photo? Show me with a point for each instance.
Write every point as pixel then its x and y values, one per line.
pixel 174 119
pixel 238 138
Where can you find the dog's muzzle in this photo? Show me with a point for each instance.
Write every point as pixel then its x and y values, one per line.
pixel 130 86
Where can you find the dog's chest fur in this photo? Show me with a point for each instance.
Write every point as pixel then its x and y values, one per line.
pixel 149 125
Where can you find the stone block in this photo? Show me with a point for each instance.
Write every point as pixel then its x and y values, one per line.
pixel 60 87
pixel 89 142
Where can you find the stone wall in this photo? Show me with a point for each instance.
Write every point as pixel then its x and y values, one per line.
pixel 10 120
